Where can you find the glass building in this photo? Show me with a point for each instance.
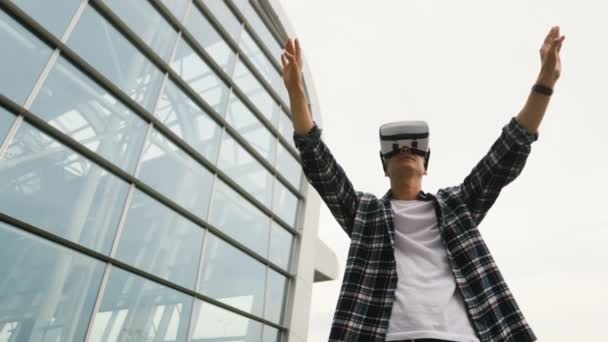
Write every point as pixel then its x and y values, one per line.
pixel 149 185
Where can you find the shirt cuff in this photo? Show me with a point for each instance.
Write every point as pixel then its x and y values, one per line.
pixel 309 139
pixel 519 134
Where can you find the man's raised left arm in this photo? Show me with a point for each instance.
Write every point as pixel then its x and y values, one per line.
pixel 532 114
pixel 507 156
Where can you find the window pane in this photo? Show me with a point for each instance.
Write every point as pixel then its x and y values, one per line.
pixel 252 88
pixel 186 119
pixel 232 277
pixel 200 77
pixel 285 203
pixel 224 15
pixel 158 240
pixel 6 121
pixel 147 23
pixel 270 334
pixel 52 187
pixel 177 7
pixel 276 291
pixel 172 172
pixel 288 166
pixel 261 29
pixel 95 40
pixel 86 112
pixel 281 242
pixel 212 323
pixel 53 15
pixel 248 125
pixel 19 48
pixel 210 40
pixel 263 65
pixel 136 309
pixel 47 292
pixel 256 56
pixel 245 170
pixel 239 219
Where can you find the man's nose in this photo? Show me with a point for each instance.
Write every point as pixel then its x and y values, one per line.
pixel 405 149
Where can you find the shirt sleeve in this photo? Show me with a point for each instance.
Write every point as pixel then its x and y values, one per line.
pixel 501 165
pixel 327 177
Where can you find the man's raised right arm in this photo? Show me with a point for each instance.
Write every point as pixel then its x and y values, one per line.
pixel 320 167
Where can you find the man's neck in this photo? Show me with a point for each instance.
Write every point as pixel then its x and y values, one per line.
pixel 405 189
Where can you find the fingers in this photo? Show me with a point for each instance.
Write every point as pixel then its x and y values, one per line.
pixel 298 50
pixel 287 58
pixel 556 44
pixel 292 53
pixel 290 57
pixel 290 47
pixel 559 44
pixel 553 33
pixel 553 40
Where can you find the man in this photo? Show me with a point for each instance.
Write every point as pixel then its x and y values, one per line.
pixel 418 269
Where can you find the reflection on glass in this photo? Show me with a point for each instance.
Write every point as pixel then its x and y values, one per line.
pixel 6 121
pixel 160 241
pixel 80 108
pixel 288 166
pixel 186 119
pixel 276 290
pixel 212 323
pixel 52 187
pixel 232 277
pixel 47 292
pixel 261 29
pixel 239 219
pixel 147 23
pixel 177 7
pixel 53 15
pixel 281 242
pixel 19 48
pixel 245 170
pixel 136 309
pixel 206 35
pixel 199 76
pixel 104 48
pixel 224 15
pixel 170 171
pixel 270 334
pixel 263 65
pixel 285 203
pixel 248 126
pixel 252 88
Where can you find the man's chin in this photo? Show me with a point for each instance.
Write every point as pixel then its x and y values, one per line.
pixel 408 171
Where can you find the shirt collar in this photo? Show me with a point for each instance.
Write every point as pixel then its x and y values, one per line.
pixel 422 196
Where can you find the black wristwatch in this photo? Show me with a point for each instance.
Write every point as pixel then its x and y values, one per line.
pixel 541 89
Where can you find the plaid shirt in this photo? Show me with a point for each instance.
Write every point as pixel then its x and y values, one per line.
pixel 366 297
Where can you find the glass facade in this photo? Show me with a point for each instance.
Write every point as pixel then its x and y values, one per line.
pixel 149 186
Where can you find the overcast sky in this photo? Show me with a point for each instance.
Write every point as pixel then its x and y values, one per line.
pixel 466 67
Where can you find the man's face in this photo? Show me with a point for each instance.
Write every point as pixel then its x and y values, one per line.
pixel 405 164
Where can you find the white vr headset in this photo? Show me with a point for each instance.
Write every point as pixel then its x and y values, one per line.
pixel 401 136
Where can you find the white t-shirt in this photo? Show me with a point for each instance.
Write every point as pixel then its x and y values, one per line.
pixel 427 303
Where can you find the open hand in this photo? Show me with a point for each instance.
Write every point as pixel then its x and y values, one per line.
pixel 292 65
pixel 549 57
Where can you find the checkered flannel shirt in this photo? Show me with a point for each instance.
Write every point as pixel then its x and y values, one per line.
pixel 368 289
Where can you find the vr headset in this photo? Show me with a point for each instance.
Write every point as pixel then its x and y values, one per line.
pixel 401 136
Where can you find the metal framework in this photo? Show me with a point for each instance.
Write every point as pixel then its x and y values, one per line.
pixel 60 48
